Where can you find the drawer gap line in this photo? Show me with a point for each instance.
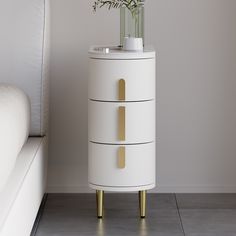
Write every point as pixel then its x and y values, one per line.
pixel 119 144
pixel 96 100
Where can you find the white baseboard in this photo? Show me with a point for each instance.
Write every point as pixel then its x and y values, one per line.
pixel 159 189
pixel 196 189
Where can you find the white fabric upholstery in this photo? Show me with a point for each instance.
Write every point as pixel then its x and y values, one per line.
pixel 14 128
pixel 24 57
pixel 24 54
pixel 22 195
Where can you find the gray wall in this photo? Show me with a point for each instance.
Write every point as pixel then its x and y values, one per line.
pixel 196 91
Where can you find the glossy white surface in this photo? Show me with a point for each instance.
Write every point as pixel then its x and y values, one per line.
pixel 116 53
pixel 140 119
pixel 139 122
pixel 122 189
pixel 139 76
pixel 21 197
pixel 14 128
pixel 139 168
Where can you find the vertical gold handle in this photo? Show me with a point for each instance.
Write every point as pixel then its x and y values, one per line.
pixel 121 91
pixel 121 157
pixel 121 120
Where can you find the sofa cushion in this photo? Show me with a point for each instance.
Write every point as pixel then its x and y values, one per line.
pixel 24 50
pixel 14 128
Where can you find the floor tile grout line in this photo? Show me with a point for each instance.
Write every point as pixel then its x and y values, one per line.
pixel 180 218
pixel 39 215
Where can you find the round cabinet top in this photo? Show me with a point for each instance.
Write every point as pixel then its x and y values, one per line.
pixel 110 52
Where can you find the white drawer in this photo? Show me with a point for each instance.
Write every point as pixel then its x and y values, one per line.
pixel 138 75
pixel 121 123
pixel 139 166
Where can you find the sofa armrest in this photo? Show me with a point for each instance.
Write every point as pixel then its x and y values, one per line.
pixel 14 128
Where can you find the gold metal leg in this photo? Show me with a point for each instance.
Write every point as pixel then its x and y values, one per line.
pixel 100 200
pixel 142 203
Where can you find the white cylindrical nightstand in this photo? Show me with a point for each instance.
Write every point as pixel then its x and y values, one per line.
pixel 121 122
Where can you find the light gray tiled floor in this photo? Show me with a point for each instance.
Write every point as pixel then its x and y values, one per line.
pixel 208 214
pixel 167 215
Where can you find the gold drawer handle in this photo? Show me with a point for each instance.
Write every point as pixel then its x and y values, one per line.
pixel 121 157
pixel 121 91
pixel 121 120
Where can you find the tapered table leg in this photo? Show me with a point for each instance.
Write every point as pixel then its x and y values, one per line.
pixel 142 203
pixel 100 200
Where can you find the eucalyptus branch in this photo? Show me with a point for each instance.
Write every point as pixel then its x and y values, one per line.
pixel 132 5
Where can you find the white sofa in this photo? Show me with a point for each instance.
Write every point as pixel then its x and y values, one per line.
pixel 24 57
